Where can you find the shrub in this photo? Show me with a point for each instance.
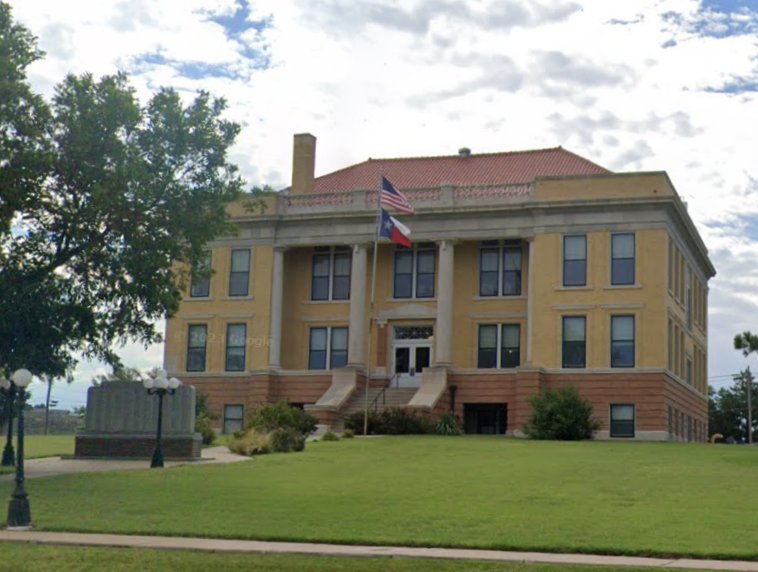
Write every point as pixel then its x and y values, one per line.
pixel 286 439
pixel 251 443
pixel 354 423
pixel 448 425
pixel 561 414
pixel 330 436
pixel 203 426
pixel 402 421
pixel 393 421
pixel 269 417
pixel 348 434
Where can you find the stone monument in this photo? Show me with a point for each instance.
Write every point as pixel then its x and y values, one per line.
pixel 122 419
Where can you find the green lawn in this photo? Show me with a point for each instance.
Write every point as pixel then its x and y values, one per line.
pixel 36 446
pixel 46 558
pixel 615 498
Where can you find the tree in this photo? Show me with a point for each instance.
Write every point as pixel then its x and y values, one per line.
pixel 104 205
pixel 727 410
pixel 561 414
pixel 748 343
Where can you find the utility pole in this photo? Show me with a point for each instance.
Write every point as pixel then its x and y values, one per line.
pixel 749 385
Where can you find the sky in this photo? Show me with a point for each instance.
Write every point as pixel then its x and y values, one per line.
pixel 633 85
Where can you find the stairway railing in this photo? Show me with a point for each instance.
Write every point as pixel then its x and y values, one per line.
pixel 374 405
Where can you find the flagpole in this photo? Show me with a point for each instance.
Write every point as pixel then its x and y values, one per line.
pixel 371 304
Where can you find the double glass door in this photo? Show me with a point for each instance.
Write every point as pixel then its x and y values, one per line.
pixel 409 360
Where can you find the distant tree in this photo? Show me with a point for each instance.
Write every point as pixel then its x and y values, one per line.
pixel 104 206
pixel 118 374
pixel 747 343
pixel 727 408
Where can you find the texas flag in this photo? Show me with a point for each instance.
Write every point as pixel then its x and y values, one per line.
pixel 391 228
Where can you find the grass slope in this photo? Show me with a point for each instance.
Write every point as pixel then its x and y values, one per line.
pixel 36 558
pixel 614 498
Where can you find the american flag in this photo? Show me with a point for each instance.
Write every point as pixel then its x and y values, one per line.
pixel 395 199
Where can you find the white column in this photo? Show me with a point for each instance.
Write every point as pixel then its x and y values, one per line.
pixel 277 296
pixel 529 299
pixel 443 333
pixel 356 339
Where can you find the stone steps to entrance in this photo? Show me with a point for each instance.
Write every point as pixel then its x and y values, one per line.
pixel 393 397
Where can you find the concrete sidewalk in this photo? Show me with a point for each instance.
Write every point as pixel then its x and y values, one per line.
pixel 51 466
pixel 255 546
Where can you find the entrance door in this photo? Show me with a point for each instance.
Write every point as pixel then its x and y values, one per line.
pixel 409 360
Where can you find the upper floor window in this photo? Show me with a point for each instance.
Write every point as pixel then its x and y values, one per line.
pixel 201 278
pixel 575 260
pixel 414 272
pixel 574 341
pixel 328 348
pixel 499 270
pixel 239 275
pixel 499 346
pixel 622 258
pixel 330 278
pixel 197 338
pixel 622 341
pixel 236 342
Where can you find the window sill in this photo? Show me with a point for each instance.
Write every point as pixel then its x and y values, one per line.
pixel 227 298
pixel 411 299
pixel 634 286
pixel 571 288
pixel 198 299
pixel 507 297
pixel 319 302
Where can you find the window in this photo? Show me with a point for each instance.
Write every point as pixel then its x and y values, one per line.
pixel 499 270
pixel 622 420
pixel 328 348
pixel 239 276
pixel 622 341
pixel 201 278
pixel 575 260
pixel 330 278
pixel 196 340
pixel 506 337
pixel 574 341
pixel 236 341
pixel 414 272
pixel 234 418
pixel 622 258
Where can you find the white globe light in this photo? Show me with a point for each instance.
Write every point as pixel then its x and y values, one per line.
pixel 22 377
pixel 161 383
pixel 174 382
pixel 5 383
pixel 161 373
pixel 148 383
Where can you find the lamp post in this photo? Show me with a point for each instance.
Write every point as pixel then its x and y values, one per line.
pixel 19 513
pixel 160 386
pixel 9 457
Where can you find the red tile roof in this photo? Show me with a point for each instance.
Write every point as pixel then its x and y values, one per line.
pixel 484 169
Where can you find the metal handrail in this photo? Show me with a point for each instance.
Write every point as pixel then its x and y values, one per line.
pixel 374 403
pixel 383 394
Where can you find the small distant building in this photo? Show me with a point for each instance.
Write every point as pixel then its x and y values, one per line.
pixel 528 270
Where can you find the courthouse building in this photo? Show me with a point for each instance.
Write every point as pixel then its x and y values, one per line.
pixel 527 270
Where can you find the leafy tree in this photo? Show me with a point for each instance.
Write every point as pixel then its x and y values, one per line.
pixel 104 204
pixel 561 414
pixel 727 409
pixel 746 342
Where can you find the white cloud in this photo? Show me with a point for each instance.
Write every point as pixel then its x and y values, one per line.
pixel 623 83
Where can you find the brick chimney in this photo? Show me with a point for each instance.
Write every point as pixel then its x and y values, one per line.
pixel 303 163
